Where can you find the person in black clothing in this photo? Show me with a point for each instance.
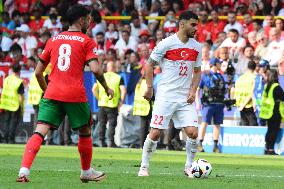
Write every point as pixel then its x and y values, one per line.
pixel 274 121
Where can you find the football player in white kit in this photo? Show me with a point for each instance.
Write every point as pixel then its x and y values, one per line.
pixel 179 56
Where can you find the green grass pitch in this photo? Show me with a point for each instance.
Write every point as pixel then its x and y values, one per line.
pixel 59 167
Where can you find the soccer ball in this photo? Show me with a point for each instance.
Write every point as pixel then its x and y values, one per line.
pixel 201 168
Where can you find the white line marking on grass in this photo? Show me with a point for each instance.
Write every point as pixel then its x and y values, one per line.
pixel 127 172
pixel 263 176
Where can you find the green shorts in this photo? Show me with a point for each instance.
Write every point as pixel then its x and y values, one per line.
pixel 52 112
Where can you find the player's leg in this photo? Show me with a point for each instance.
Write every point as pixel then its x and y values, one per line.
pixel 80 118
pixel 50 115
pixel 191 146
pixel 190 125
pixel 162 113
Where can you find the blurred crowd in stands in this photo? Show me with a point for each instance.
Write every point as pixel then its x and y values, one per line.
pixel 236 40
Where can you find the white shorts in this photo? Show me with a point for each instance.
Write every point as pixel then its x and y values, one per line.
pixel 182 114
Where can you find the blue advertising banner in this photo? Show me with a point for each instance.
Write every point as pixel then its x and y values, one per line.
pixel 242 140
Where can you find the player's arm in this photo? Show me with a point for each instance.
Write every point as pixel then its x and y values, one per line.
pixel 98 72
pixel 40 67
pixel 194 84
pixel 196 78
pixel 149 78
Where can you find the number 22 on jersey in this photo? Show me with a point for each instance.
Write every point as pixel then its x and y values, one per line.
pixel 64 53
pixel 183 69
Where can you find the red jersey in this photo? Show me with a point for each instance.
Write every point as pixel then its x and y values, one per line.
pixel 215 29
pixel 68 53
pixel 203 31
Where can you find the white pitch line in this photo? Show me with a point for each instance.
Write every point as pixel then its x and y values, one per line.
pixel 212 176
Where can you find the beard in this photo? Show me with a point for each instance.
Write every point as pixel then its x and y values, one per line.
pixel 191 35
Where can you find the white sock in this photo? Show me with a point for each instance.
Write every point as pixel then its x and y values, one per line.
pixel 86 172
pixel 148 149
pixel 191 149
pixel 24 172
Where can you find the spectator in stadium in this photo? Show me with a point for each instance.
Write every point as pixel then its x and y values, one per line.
pixel 111 33
pixel 125 42
pixel 267 24
pixel 247 25
pixel 273 53
pixel 215 26
pixel 5 42
pixel 12 101
pixel 205 67
pixel 24 6
pixel 203 30
pixel 37 23
pixel 272 109
pixel 102 42
pixel 7 22
pixel 16 18
pixel 280 25
pixel 17 56
pixel 243 59
pixel 244 88
pixel 223 55
pixel 178 7
pixel 221 36
pixel 170 24
pixel 128 8
pixel 109 108
pixel 72 95
pixel 144 53
pixel 213 89
pixel 100 25
pixel 159 36
pixel 234 42
pixel 53 25
pixel 257 26
pixel 136 26
pixel 233 24
pixel 251 38
pixel 27 42
pixel 262 44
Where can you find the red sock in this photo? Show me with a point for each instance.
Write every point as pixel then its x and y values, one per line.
pixel 32 147
pixel 85 148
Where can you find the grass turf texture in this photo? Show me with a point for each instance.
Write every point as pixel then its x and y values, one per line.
pixel 59 167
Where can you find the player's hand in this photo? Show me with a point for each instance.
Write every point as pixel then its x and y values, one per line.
pixel 191 96
pixel 110 93
pixel 149 93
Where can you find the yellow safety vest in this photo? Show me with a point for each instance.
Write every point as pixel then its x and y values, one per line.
pixel 243 89
pixel 141 106
pixel 10 96
pixel 113 81
pixel 35 92
pixel 267 103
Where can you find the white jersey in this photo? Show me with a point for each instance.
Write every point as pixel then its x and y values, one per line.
pixel 177 60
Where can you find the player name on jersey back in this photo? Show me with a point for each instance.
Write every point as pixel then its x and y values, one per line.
pixel 68 37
